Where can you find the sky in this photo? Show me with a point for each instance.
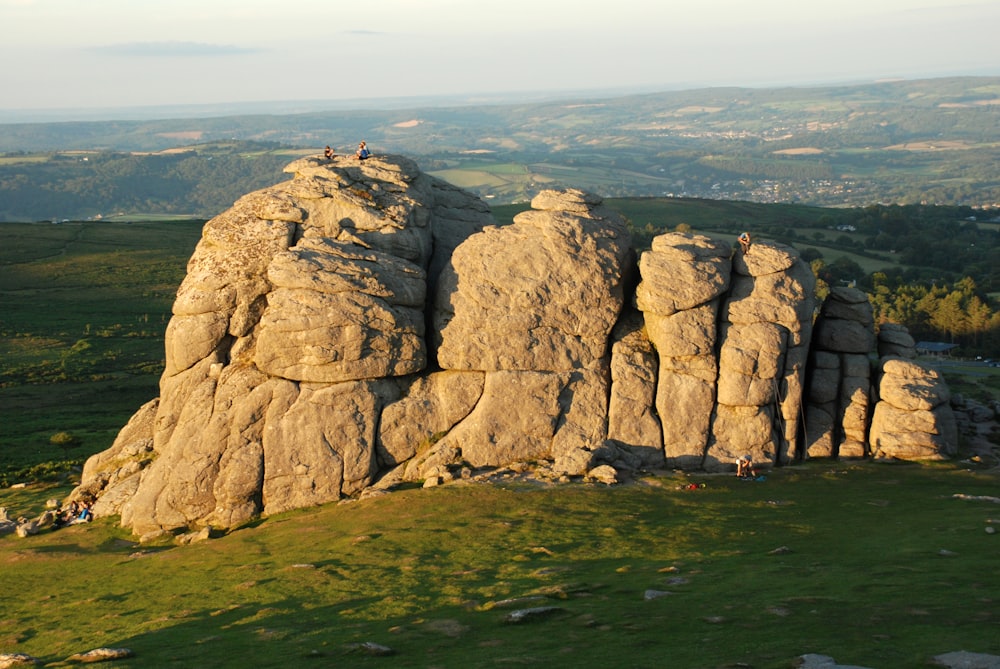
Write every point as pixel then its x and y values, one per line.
pixel 79 54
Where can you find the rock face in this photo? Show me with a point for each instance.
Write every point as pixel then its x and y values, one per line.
pixel 839 398
pixel 365 320
pixel 913 419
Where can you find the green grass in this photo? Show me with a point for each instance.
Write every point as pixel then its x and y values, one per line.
pixel 880 566
pixel 85 306
pixel 865 578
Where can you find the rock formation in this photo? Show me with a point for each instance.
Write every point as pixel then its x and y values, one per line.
pixel 895 340
pixel 365 323
pixel 840 390
pixel 913 419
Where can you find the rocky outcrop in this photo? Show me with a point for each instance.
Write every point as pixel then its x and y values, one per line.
pixel 767 327
pixel 363 324
pixel 913 419
pixel 301 303
pixel 839 399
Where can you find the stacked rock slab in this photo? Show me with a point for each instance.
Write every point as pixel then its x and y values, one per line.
pixel 532 306
pixel 633 422
pixel 839 397
pixel 913 419
pixel 766 328
pixel 895 340
pixel 684 277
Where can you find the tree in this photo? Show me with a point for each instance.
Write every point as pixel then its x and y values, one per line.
pixel 65 441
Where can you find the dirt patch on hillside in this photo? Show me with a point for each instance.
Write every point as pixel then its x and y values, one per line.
pixel 802 151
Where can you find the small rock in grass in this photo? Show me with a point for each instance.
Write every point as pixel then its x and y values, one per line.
pixel 10 660
pixel 101 655
pixel 534 613
pixel 961 659
pixel 374 649
pixel 655 594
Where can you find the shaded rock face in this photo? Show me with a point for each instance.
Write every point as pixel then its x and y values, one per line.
pixel 365 321
pixel 840 399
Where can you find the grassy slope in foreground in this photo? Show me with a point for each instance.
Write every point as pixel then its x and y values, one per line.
pixel 85 307
pixel 879 565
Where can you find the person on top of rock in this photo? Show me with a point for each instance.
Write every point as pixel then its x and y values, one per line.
pixel 745 242
pixel 328 153
pixel 362 153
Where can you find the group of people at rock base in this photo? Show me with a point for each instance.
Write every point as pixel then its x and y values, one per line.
pixel 363 153
pixel 74 513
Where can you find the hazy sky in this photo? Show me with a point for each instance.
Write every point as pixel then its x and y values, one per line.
pixel 114 53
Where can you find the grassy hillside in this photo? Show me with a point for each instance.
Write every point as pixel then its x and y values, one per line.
pixel 190 181
pixel 925 141
pixel 874 565
pixel 85 306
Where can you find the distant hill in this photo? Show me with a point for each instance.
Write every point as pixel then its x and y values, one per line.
pixel 909 142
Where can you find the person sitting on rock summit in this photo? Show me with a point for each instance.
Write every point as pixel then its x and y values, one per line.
pixel 328 153
pixel 362 153
pixel 745 242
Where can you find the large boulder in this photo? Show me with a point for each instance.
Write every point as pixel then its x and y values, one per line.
pixel 533 305
pixel 540 295
pixel 913 419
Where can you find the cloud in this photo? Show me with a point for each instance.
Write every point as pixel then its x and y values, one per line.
pixel 174 50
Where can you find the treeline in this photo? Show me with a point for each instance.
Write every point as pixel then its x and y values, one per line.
pixel 200 181
pixel 939 244
pixel 957 313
